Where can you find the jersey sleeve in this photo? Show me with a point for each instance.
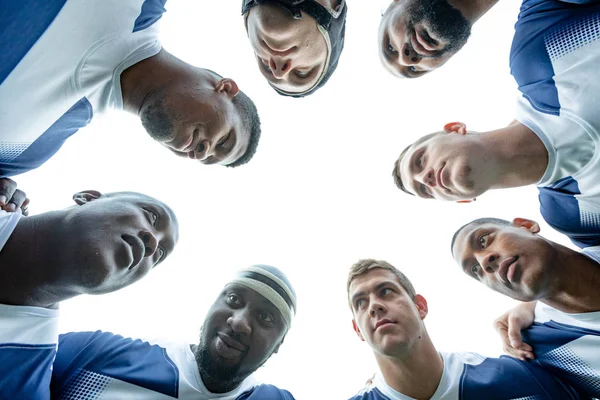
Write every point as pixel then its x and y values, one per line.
pixel 97 362
pixel 266 392
pixel 28 338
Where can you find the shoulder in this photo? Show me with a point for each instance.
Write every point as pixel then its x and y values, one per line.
pixel 266 392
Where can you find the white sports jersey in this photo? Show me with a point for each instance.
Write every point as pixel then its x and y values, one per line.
pixel 470 376
pixel 568 345
pixel 8 222
pixel 100 365
pixel 61 65
pixel 555 58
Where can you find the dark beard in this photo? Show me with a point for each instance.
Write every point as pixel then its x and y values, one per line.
pixel 445 22
pixel 221 379
pixel 156 121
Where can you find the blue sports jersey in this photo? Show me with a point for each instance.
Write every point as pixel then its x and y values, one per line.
pixel 470 376
pixel 61 65
pixel 568 345
pixel 555 57
pixel 100 365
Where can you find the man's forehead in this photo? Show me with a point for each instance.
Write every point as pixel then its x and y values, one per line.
pixel 371 279
pixel 404 167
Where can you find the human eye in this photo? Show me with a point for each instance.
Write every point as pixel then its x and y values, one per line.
pixel 359 303
pixel 265 66
pixel 475 270
pixel 391 48
pixel 223 142
pixel 419 161
pixel 483 240
pixel 385 291
pixel 412 69
pixel 424 191
pixel 301 74
pixel 266 317
pixel 233 299
pixel 152 216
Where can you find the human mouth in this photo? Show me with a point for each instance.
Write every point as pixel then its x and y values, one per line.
pixel 383 322
pixel 417 43
pixel 137 249
pixel 506 270
pixel 229 348
pixel 439 177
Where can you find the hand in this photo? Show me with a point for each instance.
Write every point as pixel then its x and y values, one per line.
pixel 11 198
pixel 509 326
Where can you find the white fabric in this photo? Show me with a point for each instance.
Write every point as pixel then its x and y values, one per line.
pixel 8 223
pixel 28 325
pixel 53 75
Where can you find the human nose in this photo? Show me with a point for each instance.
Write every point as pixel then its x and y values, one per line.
pixel 239 322
pixel 280 66
pixel 376 308
pixel 428 177
pixel 150 243
pixel 409 56
pixel 489 262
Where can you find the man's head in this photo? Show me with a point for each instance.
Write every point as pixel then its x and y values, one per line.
pixel 297 44
pixel 451 165
pixel 107 241
pixel 203 117
pixel 508 257
pixel 246 325
pixel 388 314
pixel 417 36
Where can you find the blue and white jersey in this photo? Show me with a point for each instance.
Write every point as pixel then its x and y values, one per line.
pixel 61 65
pixel 103 366
pixel 470 376
pixel 568 345
pixel 555 59
pixel 100 365
pixel 28 340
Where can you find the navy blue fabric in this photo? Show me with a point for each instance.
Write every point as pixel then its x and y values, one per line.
pixel 132 361
pixel 530 63
pixel 560 209
pixel 25 371
pixel 48 144
pixel 546 338
pixel 22 22
pixel 266 392
pixel 494 379
pixel 152 11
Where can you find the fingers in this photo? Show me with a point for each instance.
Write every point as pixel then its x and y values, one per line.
pixel 18 199
pixel 25 207
pixel 7 189
pixel 509 329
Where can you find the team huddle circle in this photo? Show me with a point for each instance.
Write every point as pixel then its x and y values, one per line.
pixel 310 266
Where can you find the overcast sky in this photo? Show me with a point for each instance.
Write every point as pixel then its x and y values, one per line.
pixel 317 197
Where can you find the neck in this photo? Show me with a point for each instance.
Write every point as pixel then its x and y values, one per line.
pixel 417 373
pixel 155 74
pixel 574 289
pixel 472 10
pixel 214 384
pixel 521 157
pixel 28 272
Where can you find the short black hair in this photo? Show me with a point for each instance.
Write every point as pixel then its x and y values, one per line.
pixel 251 122
pixel 477 222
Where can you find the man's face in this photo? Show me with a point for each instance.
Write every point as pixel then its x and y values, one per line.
pixel 417 36
pixel 241 331
pixel 199 123
pixel 447 166
pixel 384 314
pixel 509 259
pixel 291 53
pixel 116 240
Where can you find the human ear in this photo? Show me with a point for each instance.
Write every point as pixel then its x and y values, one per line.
pixel 357 330
pixel 455 127
pixel 466 201
pixel 421 304
pixel 528 224
pixel 227 86
pixel 86 196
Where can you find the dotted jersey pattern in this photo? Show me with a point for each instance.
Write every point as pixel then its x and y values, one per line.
pixel 580 372
pixel 10 151
pixel 86 385
pixel 572 36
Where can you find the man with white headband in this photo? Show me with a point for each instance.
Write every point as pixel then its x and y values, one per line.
pixel 239 334
pixel 297 43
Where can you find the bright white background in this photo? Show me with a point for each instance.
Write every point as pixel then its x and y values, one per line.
pixel 317 197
